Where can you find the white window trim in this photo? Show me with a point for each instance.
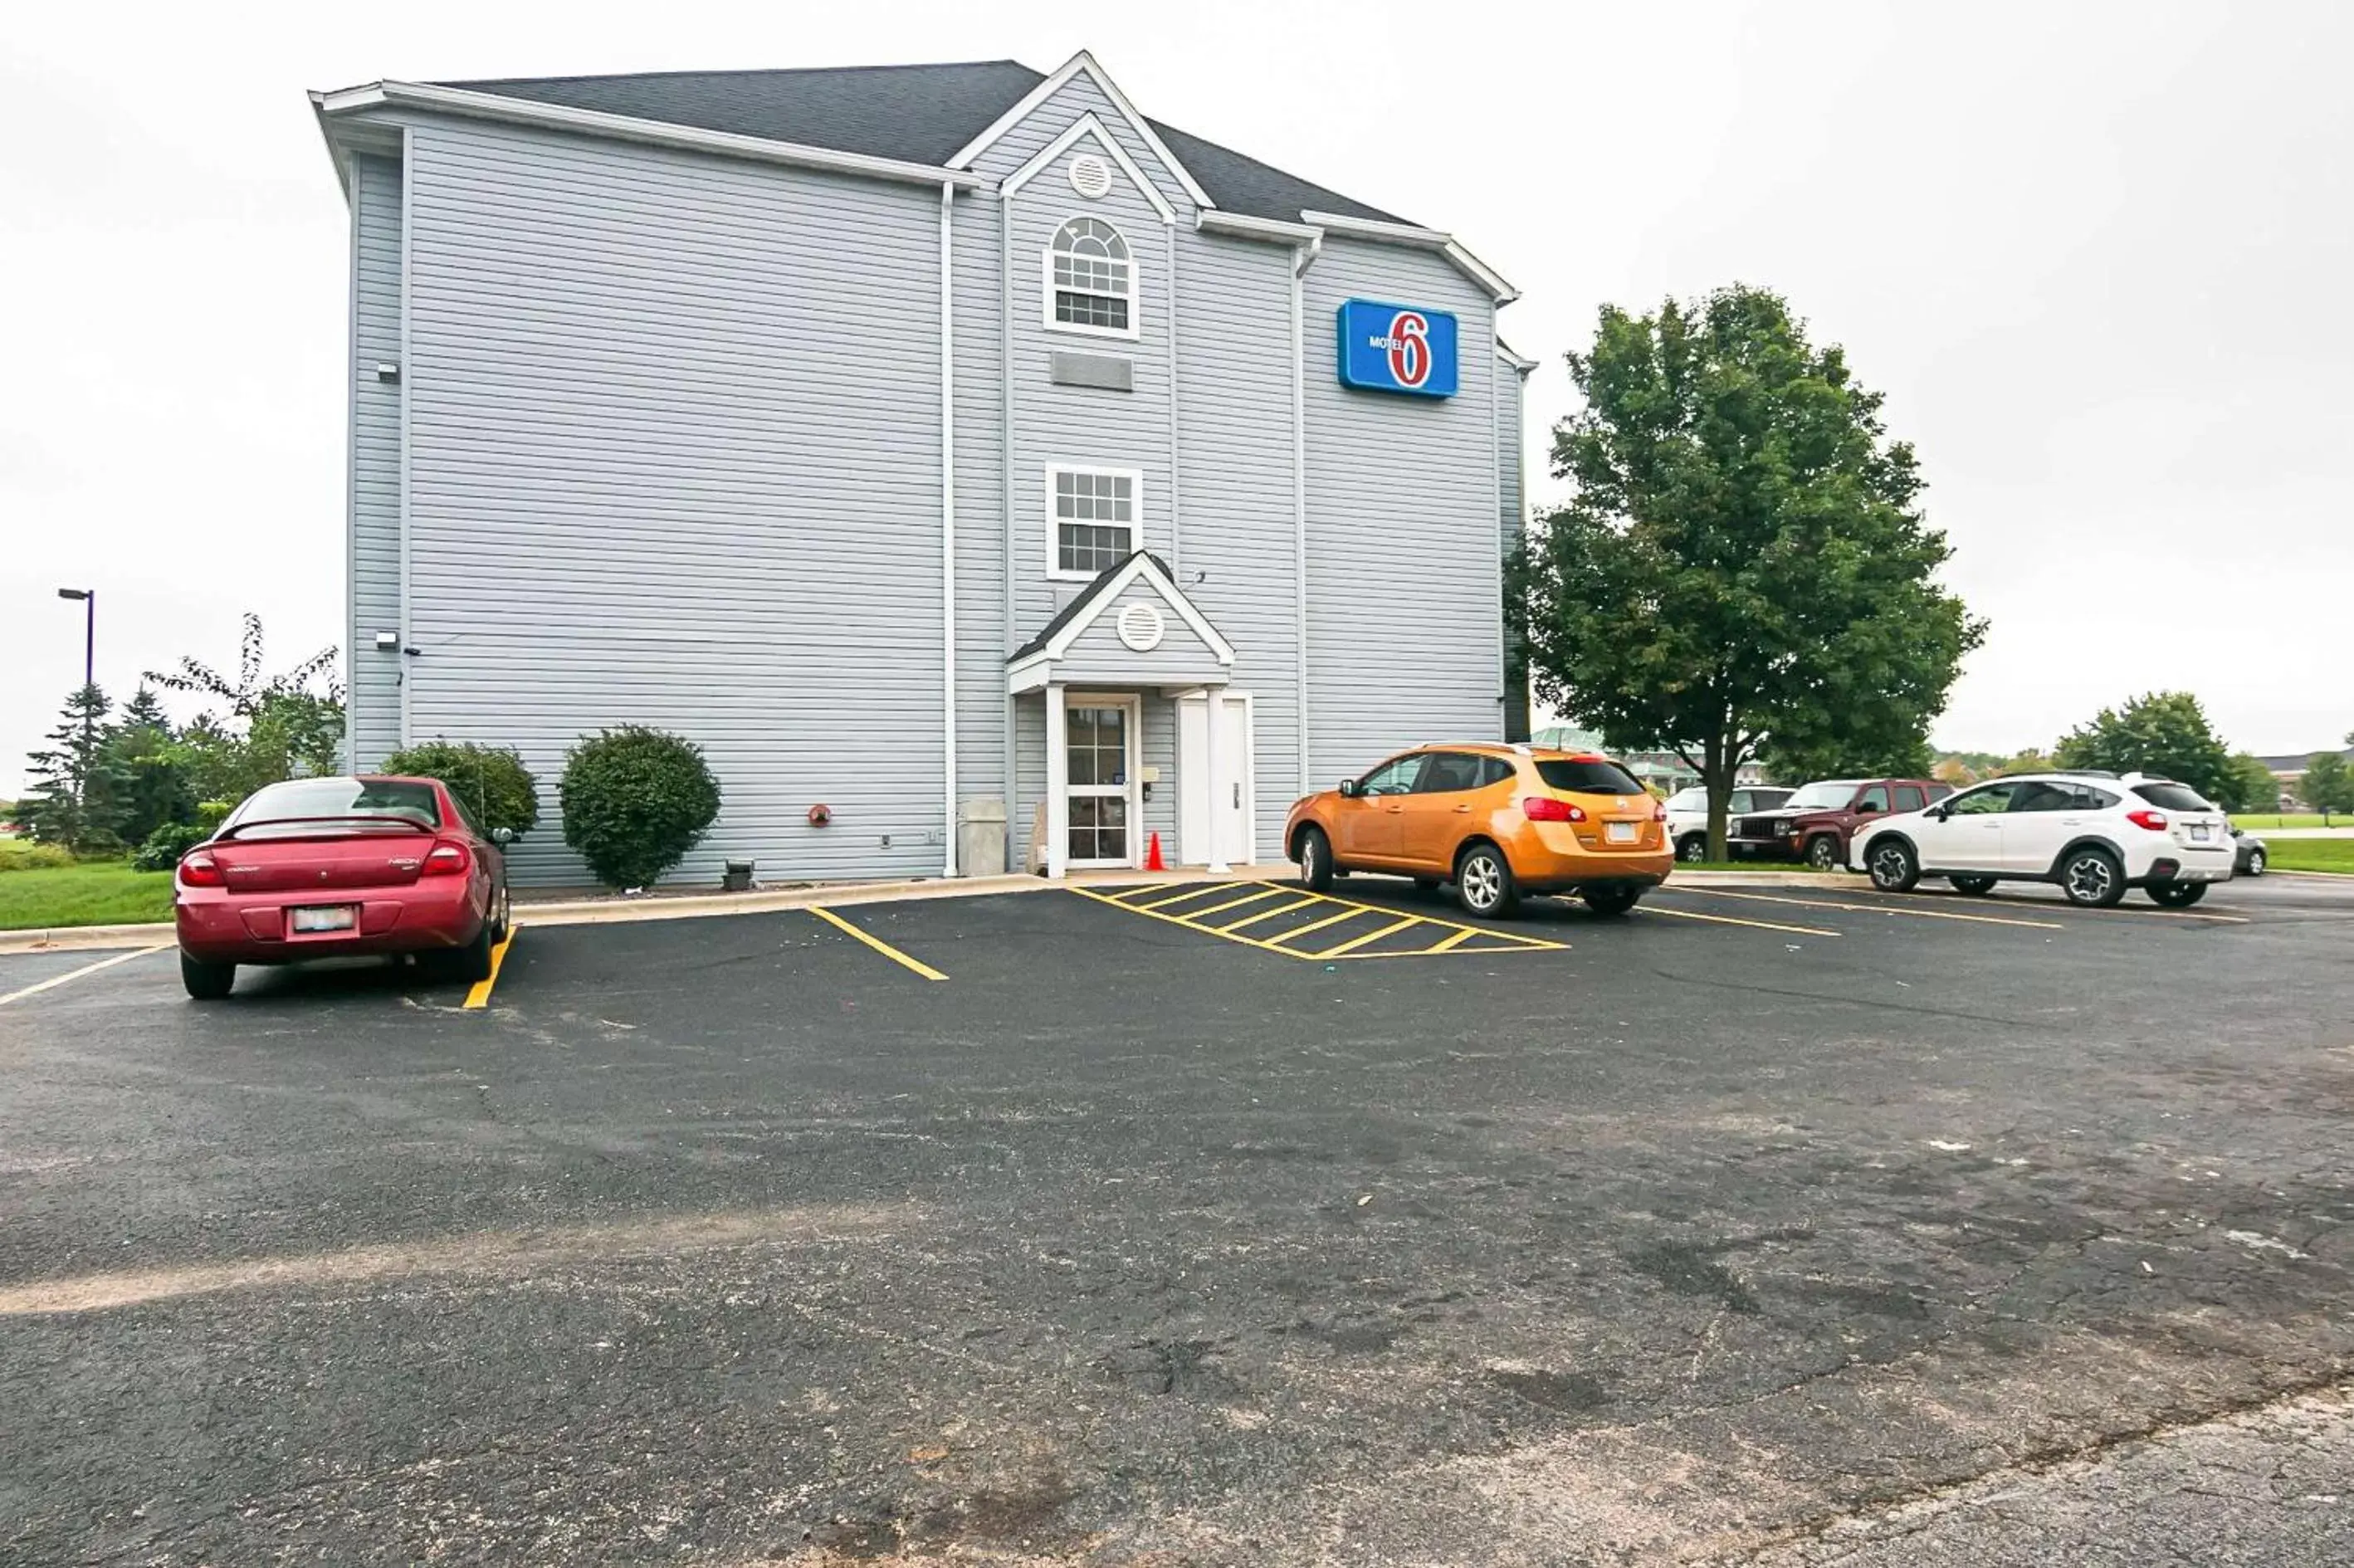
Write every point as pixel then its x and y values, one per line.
pixel 1080 329
pixel 1055 572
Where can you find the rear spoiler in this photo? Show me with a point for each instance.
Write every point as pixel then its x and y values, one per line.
pixel 419 823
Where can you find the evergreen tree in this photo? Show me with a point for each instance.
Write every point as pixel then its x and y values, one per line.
pixel 154 777
pixel 77 785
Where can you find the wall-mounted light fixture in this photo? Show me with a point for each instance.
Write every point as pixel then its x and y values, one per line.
pixel 387 371
pixel 387 641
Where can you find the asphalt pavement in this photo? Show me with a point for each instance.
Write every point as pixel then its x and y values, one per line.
pixel 1783 1226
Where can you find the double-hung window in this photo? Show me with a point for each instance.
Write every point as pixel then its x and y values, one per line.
pixel 1090 280
pixel 1094 519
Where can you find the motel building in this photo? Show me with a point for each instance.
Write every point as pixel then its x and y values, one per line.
pixel 987 476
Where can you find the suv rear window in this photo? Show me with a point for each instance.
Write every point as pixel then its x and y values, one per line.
pixel 2172 796
pixel 1587 775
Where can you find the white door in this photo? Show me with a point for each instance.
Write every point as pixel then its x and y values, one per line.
pixel 1970 837
pixel 1101 742
pixel 1225 804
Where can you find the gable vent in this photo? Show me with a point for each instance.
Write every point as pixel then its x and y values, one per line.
pixel 1090 176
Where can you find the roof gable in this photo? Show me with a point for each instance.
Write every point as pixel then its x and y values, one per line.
pixel 1111 586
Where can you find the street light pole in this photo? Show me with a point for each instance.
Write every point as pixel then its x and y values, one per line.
pixel 89 598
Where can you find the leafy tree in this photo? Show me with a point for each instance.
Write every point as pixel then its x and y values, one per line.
pixel 2250 786
pixel 2328 784
pixel 635 801
pixel 155 788
pixel 271 729
pixel 1793 762
pixel 490 779
pixel 77 785
pixel 248 693
pixel 2028 761
pixel 1745 557
pixel 2163 732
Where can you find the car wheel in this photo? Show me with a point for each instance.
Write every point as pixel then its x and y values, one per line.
pixel 1315 860
pixel 2177 895
pixel 2255 862
pixel 472 962
pixel 1822 851
pixel 207 982
pixel 1972 885
pixel 1692 847
pixel 502 911
pixel 1483 880
pixel 2093 879
pixel 1611 900
pixel 1892 866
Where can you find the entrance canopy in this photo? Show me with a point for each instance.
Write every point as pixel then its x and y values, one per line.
pixel 1132 626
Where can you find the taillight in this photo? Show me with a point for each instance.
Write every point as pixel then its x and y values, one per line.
pixel 2154 821
pixel 1545 809
pixel 446 860
pixel 1659 812
pixel 201 870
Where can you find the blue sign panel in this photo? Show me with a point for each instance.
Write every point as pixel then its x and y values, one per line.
pixel 1397 348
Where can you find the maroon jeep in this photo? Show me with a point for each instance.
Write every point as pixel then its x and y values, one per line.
pixel 1814 824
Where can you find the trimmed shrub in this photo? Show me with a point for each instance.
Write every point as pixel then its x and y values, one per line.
pixel 491 780
pixel 166 845
pixel 635 801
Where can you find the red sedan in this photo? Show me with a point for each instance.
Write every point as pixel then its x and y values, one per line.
pixel 325 868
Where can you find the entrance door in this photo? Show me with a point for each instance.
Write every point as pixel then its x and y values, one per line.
pixel 1101 736
pixel 1225 804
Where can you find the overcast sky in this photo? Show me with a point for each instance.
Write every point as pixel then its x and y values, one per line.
pixel 2097 255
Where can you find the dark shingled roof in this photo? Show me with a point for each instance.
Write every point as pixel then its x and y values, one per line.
pixel 919 114
pixel 1086 597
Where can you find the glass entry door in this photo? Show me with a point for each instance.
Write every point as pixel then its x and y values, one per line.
pixel 1102 740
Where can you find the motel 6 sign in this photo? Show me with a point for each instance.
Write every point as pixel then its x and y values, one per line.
pixel 1397 348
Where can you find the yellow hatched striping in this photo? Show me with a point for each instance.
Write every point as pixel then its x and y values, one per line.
pixel 1233 926
pixel 1353 943
pixel 1263 892
pixel 1455 936
pixel 1351 912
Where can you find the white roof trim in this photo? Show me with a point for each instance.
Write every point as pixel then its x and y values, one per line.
pixel 1514 360
pixel 1445 244
pixel 1082 61
pixel 1245 227
pixel 1089 125
pixel 623 127
pixel 1140 567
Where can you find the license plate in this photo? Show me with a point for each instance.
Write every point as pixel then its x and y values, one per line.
pixel 1621 833
pixel 339 919
pixel 2198 833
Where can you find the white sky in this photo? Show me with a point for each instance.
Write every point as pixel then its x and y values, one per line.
pixel 2097 255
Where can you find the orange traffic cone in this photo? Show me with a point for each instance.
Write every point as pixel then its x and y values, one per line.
pixel 1152 861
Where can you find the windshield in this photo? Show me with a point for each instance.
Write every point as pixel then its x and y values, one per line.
pixel 401 804
pixel 1828 795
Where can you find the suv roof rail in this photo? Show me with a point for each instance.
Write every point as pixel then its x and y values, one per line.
pixel 2083 773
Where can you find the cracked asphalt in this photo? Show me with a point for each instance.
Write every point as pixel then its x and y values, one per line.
pixel 1782 1229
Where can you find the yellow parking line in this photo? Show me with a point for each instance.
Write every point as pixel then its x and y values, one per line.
pixel 1445 952
pixel 1352 909
pixel 1878 910
pixel 1231 926
pixel 1264 889
pixel 1453 942
pixel 1353 943
pixel 1182 921
pixel 56 981
pixel 1734 920
pixel 878 944
pixel 480 996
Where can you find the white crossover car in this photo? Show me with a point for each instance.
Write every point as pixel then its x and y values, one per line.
pixel 2095 834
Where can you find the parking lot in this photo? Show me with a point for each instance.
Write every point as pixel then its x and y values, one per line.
pixel 1179 1224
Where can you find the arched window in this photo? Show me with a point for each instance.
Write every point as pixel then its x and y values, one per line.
pixel 1091 287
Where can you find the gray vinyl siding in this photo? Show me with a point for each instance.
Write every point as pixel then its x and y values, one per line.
pixel 1098 657
pixel 984 636
pixel 1405 592
pixel 1512 488
pixel 372 677
pixel 1235 417
pixel 1076 97
pixel 676 460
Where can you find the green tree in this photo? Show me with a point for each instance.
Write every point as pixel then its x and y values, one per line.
pixel 247 694
pixel 154 782
pixel 490 779
pixel 2250 786
pixel 1745 557
pixel 1795 762
pixel 77 785
pixel 2328 784
pixel 2163 732
pixel 271 729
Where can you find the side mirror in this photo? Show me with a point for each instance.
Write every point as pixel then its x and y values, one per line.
pixel 1348 789
pixel 503 836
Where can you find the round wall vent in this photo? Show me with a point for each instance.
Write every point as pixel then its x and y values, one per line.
pixel 1140 626
pixel 1090 176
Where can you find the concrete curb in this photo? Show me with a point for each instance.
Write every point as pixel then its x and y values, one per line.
pixel 617 911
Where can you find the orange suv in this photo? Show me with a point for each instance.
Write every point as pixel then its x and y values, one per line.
pixel 1497 821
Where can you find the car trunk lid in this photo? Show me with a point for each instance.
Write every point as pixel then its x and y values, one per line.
pixel 324 863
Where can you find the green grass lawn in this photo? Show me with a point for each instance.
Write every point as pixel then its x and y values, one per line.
pixel 2259 821
pixel 2310 855
pixel 104 892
